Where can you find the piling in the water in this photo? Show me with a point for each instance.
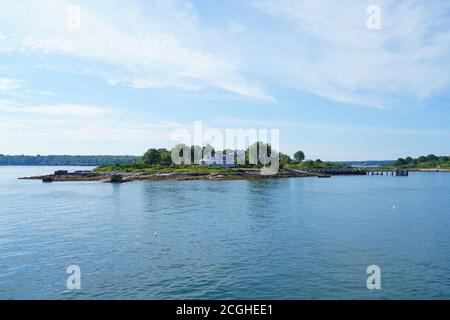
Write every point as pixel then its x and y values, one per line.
pixel 401 172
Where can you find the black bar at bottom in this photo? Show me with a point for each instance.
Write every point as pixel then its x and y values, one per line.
pixel 242 309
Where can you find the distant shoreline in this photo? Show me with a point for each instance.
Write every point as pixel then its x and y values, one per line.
pixel 48 165
pixel 65 160
pixel 429 170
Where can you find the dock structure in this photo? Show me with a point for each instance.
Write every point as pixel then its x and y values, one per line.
pixel 361 171
pixel 401 172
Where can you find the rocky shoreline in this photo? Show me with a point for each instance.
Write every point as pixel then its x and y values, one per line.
pixel 121 177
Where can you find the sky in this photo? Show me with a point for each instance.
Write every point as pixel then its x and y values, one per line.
pixel 119 77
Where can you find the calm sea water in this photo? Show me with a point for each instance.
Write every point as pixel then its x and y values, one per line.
pixel 302 238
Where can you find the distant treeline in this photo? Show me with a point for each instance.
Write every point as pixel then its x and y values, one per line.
pixel 429 161
pixel 23 160
pixel 367 163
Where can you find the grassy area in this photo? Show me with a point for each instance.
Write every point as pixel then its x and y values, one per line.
pixel 314 165
pixel 140 167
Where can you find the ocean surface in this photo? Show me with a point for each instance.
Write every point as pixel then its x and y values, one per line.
pixel 304 238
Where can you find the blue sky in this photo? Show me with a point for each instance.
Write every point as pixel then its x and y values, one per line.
pixel 133 72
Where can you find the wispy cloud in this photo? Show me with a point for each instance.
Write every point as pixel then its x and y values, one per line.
pixel 9 84
pixel 66 110
pixel 156 45
pixel 82 136
pixel 321 47
pixel 330 128
pixel 328 50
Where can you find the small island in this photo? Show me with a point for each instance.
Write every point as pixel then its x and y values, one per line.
pixel 205 163
pixel 199 163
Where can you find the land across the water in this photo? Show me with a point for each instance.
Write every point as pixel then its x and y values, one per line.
pixel 429 169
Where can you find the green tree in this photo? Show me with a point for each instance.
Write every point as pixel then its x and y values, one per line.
pixel 165 157
pixel 299 156
pixel 258 153
pixel 422 159
pixel 309 164
pixel 151 157
pixel 284 159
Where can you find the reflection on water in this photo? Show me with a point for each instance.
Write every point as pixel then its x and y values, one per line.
pixel 271 238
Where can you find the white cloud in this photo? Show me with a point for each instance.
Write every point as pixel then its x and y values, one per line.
pixel 69 110
pixel 328 50
pixel 322 47
pixel 82 136
pixel 9 84
pixel 66 110
pixel 160 46
pixel 117 131
pixel 329 128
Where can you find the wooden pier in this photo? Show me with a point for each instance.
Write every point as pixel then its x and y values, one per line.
pixel 362 171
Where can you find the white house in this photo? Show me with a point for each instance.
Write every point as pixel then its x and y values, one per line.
pixel 225 161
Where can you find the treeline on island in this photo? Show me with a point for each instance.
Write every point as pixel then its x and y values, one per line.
pixel 429 161
pixel 64 160
pixel 161 159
